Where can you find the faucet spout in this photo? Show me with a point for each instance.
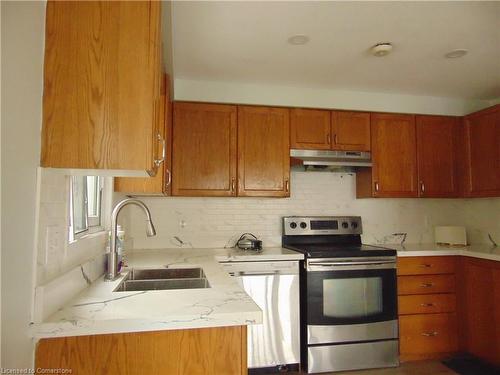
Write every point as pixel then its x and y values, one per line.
pixel 113 272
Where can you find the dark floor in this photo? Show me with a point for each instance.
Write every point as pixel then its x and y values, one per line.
pixel 409 368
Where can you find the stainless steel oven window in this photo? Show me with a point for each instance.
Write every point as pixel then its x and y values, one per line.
pixel 352 297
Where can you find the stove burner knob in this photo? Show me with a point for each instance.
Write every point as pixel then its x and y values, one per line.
pixel 303 225
pixel 354 224
pixel 345 225
pixel 293 225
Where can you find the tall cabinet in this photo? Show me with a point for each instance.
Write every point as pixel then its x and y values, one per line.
pixel 102 77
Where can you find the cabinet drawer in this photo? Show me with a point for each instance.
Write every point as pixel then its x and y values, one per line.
pixel 426 304
pixel 428 333
pixel 425 265
pixel 426 284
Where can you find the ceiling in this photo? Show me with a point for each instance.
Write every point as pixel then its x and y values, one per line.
pixel 246 41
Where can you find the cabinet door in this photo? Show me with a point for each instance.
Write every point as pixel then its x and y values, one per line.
pixel 482 303
pixel 198 351
pixel 436 145
pixel 310 129
pixel 394 171
pixel 101 84
pixel 161 183
pixel 482 141
pixel 263 152
pixel 350 131
pixel 204 150
pixel 427 335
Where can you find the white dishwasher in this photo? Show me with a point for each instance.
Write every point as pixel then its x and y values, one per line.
pixel 274 286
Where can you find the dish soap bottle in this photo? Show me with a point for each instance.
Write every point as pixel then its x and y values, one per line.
pixel 120 243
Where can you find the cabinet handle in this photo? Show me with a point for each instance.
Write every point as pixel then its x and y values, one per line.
pixel 233 185
pixel 426 285
pixel 328 138
pixel 376 186
pixel 425 265
pixel 335 139
pixel 430 334
pixel 422 187
pixel 169 179
pixel 287 186
pixel 426 304
pixel 163 152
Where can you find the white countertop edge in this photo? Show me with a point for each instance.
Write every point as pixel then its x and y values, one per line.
pixel 472 251
pixel 103 327
pixel 466 253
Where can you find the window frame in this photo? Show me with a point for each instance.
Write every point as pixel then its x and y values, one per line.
pixel 93 224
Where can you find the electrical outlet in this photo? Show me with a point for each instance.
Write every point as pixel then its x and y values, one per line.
pixel 54 243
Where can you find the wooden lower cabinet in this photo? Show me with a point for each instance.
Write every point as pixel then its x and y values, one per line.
pixel 479 299
pixel 204 351
pixel 427 307
pixel 426 284
pixel 428 265
pixel 427 304
pixel 425 336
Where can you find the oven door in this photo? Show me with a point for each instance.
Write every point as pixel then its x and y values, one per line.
pixel 351 299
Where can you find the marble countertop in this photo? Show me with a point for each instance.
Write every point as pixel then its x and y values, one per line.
pixel 270 253
pixel 100 310
pixel 474 251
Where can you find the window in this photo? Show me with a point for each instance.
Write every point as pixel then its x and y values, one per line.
pixel 85 205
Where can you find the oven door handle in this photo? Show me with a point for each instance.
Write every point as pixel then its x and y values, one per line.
pixel 351 263
pixel 323 266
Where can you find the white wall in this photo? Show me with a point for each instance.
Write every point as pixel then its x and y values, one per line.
pixel 480 217
pixel 216 222
pixel 22 71
pixel 247 93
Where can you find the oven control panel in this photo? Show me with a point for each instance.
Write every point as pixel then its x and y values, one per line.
pixel 317 225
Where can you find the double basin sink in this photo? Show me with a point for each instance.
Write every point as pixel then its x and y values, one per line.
pixel 163 279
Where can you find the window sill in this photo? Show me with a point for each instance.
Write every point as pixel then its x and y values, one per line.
pixel 91 233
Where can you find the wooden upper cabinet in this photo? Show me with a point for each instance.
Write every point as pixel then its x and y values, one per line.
pixel 310 129
pixel 204 149
pixel 313 129
pixel 437 138
pixel 482 153
pixel 161 184
pixel 102 77
pixel 394 155
pixel 263 151
pixel 350 131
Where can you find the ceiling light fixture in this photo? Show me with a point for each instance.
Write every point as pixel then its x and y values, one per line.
pixel 381 49
pixel 456 53
pixel 298 39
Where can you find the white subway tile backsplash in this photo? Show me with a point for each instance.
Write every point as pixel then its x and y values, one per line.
pixel 53 217
pixel 215 222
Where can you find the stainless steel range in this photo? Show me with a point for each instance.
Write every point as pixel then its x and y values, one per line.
pixel 348 295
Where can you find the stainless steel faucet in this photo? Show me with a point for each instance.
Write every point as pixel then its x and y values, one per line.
pixel 113 273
